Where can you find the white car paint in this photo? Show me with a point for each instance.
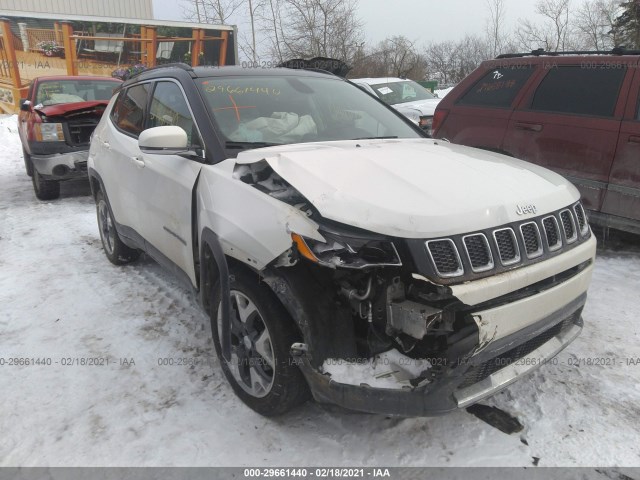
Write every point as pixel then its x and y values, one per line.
pixel 425 108
pixel 405 188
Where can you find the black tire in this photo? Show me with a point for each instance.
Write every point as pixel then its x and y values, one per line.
pixel 116 251
pixel 288 388
pixel 45 189
pixel 28 164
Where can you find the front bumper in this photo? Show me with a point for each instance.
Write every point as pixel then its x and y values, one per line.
pixel 61 166
pixel 513 339
pixel 469 382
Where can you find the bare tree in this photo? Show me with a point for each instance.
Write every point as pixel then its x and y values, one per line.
pixel 596 23
pixel 212 11
pixel 556 31
pixel 495 34
pixel 310 28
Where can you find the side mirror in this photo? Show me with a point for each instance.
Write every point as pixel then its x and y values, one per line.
pixel 170 140
pixel 25 104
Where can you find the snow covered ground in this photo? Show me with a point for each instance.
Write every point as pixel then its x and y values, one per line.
pixel 444 92
pixel 60 299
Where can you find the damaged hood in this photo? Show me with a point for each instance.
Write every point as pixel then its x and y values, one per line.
pixel 415 188
pixel 67 109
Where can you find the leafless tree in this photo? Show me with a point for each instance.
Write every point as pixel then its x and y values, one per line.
pixel 596 24
pixel 212 11
pixel 310 28
pixel 495 34
pixel 556 31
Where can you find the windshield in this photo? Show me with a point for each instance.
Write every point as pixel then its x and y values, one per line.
pixel 406 91
pixel 54 92
pixel 255 111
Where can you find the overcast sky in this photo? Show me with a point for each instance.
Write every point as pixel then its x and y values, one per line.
pixel 423 21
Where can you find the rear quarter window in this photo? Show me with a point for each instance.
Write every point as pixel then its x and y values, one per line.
pixel 580 91
pixel 498 87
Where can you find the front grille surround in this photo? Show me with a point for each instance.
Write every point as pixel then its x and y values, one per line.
pixel 526 230
pixel 552 233
pixel 432 245
pixel 568 226
pixel 488 265
pixel 507 243
pixel 474 255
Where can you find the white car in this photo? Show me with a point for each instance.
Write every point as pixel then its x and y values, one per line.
pixel 337 251
pixel 408 97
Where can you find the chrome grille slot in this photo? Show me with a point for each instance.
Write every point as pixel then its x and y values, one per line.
pixel 568 226
pixel 445 257
pixel 507 246
pixel 531 239
pixel 552 233
pixel 478 252
pixel 582 218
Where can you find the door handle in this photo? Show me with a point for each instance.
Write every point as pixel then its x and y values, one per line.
pixel 138 161
pixel 634 139
pixel 106 144
pixel 530 127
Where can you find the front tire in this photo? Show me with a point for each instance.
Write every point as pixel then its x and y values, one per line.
pixel 261 371
pixel 116 251
pixel 45 189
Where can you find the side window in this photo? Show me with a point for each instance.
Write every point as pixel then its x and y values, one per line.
pixel 128 112
pixel 498 88
pixel 169 107
pixel 580 91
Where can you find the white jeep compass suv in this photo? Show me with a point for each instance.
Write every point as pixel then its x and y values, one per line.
pixel 337 251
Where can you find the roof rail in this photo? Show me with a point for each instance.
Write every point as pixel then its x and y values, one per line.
pixel 541 52
pixel 183 66
pixel 325 65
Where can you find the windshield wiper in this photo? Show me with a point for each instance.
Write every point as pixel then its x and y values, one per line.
pixel 375 138
pixel 231 144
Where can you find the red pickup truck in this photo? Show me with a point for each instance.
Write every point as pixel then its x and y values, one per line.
pixel 55 124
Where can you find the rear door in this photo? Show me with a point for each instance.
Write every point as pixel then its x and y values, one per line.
pixel 479 118
pixel 117 144
pixel 623 193
pixel 166 182
pixel 570 123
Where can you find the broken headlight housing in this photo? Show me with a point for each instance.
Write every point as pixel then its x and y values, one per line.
pixel 341 251
pixel 48 132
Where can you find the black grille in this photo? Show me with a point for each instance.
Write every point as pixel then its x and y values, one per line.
pixel 582 219
pixel 507 247
pixel 80 133
pixel 478 251
pixel 551 231
pixel 531 239
pixel 484 370
pixel 567 224
pixel 444 256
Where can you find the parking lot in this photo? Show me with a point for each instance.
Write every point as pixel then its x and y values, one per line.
pixel 103 366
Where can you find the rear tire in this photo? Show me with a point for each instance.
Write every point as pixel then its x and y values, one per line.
pixel 116 251
pixel 45 189
pixel 262 371
pixel 28 164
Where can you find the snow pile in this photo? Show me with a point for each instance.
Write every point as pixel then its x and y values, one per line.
pixel 62 300
pixel 444 92
pixel 390 369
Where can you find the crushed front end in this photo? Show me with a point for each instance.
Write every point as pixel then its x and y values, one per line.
pixel 419 327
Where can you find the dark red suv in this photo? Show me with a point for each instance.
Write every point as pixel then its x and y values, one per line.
pixel 577 114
